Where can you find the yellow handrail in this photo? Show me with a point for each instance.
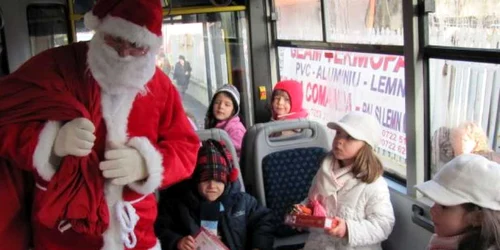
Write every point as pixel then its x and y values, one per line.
pixel 175 11
pixel 180 11
pixel 228 58
pixel 201 10
pixel 71 20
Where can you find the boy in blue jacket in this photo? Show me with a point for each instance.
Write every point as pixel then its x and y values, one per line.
pixel 212 199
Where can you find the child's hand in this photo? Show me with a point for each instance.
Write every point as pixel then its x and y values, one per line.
pixel 300 209
pixel 186 243
pixel 340 230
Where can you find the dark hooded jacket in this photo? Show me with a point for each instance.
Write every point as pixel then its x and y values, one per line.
pixel 244 224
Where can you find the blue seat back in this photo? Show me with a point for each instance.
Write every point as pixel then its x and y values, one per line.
pixel 287 177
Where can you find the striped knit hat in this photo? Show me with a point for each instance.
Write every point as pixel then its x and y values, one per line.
pixel 233 92
pixel 214 163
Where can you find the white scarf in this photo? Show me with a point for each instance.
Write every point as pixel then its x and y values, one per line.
pixel 444 243
pixel 331 178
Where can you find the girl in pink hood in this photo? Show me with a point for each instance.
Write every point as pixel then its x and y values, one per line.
pixel 286 103
pixel 223 113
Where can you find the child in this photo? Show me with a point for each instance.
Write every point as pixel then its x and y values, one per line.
pixel 286 103
pixel 469 137
pixel 466 212
pixel 211 200
pixel 350 188
pixel 223 113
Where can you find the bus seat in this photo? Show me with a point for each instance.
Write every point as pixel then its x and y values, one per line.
pixel 221 135
pixel 279 171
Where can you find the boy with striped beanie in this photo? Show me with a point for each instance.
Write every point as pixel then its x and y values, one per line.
pixel 212 200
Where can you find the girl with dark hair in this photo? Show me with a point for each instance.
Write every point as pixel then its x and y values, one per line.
pixel 223 113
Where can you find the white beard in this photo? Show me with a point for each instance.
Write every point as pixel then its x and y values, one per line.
pixel 115 74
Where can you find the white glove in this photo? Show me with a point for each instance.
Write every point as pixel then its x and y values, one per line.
pixel 75 138
pixel 123 166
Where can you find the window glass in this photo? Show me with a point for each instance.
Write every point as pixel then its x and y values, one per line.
pixel 47 26
pixel 215 46
pixel 337 82
pixel 82 33
pixel 364 21
pixel 465 23
pixel 299 20
pixel 464 99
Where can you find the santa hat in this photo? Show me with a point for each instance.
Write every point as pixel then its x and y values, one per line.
pixel 214 163
pixel 137 21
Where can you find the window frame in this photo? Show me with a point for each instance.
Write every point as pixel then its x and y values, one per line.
pixel 63 7
pixel 398 50
pixel 274 24
pixel 417 53
pixel 475 55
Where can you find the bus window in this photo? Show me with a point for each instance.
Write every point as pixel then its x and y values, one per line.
pixel 337 82
pixel 291 16
pixel 464 99
pixel 47 25
pixel 211 49
pixel 463 93
pixel 474 24
pixel 362 21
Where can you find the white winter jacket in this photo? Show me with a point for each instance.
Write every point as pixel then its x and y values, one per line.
pixel 366 208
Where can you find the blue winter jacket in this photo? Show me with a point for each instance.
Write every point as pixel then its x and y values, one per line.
pixel 244 223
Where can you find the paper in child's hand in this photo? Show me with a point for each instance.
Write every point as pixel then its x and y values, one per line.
pixel 205 240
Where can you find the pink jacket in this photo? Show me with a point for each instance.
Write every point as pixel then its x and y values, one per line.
pixel 235 129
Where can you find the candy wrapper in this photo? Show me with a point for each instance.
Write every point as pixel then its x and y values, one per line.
pixel 300 209
pixel 303 220
pixel 302 216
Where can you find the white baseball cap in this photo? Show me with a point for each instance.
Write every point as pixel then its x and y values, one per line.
pixel 468 178
pixel 360 126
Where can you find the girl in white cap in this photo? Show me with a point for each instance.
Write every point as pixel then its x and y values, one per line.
pixel 466 210
pixel 349 187
pixel 223 113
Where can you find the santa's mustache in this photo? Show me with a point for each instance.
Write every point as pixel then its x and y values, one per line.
pixel 115 73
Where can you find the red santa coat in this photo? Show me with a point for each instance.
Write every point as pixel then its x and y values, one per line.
pixel 151 121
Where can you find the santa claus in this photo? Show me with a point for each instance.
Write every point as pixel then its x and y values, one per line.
pixel 100 128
